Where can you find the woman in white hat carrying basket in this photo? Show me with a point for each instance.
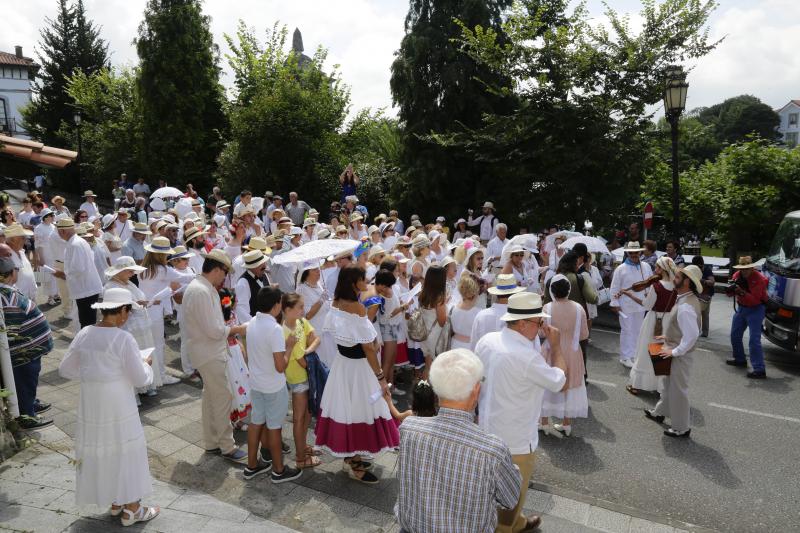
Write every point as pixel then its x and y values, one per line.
pixel 110 447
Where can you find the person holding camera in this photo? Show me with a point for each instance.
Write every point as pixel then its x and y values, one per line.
pixel 749 287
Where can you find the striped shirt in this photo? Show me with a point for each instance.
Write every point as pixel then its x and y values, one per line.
pixel 453 476
pixel 29 336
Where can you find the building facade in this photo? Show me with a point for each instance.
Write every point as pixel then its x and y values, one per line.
pixel 16 91
pixel 789 127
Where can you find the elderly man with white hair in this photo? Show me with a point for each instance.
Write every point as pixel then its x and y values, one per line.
pixel 517 376
pixel 456 456
pixel 494 250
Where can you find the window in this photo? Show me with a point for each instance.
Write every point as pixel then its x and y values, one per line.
pixel 4 126
pixel 793 119
pixel 791 139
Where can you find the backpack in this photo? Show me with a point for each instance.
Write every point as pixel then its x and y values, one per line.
pixel 417 331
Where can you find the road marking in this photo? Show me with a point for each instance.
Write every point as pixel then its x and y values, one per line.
pixel 603 383
pixel 758 413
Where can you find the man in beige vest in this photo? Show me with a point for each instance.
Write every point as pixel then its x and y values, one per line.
pixel 680 336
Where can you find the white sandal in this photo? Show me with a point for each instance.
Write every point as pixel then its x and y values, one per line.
pixel 142 514
pixel 115 512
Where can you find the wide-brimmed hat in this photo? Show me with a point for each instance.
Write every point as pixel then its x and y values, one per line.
pixel 192 233
pixel 160 245
pixel 295 230
pixel 284 220
pixel 400 258
pixel 356 216
pixel 116 297
pixel 123 262
pixel 745 262
pixel 108 220
pixel 258 243
pixel 222 204
pixel 694 273
pixel 86 194
pixel 46 212
pixel 447 261
pixel 309 222
pixel 123 211
pixel 440 219
pixel 16 230
pixel 65 223
pixel 506 285
pixel 403 240
pixel 247 210
pixel 459 221
pixel 633 246
pixel 373 229
pixel 324 233
pixel 380 218
pixel 420 242
pixel 488 205
pixel 524 305
pixel 254 259
pixel 219 256
pixel 341 229
pixel 311 264
pixel 312 212
pixel 180 252
pixel 141 227
pixel 376 250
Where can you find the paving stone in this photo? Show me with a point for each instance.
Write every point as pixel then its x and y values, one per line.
pixel 25 473
pixel 373 516
pixel 571 510
pixel 24 518
pixel 174 521
pixel 203 504
pixel 215 526
pixel 189 454
pixel 88 524
pixel 65 503
pixel 606 520
pixel 14 491
pixel 42 496
pixel 152 432
pixel 62 478
pixel 191 432
pixel 538 501
pixel 173 422
pixel 166 444
pixel 640 525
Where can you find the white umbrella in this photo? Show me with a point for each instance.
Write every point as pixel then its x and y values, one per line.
pixel 549 240
pixel 527 241
pixel 183 207
pixel 593 244
pixel 167 192
pixel 318 249
pixel 158 204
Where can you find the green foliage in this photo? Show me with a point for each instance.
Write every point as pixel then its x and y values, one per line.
pixel 284 121
pixel 578 146
pixel 736 118
pixel 181 99
pixel 439 90
pixel 111 129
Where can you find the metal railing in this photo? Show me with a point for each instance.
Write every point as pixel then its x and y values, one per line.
pixel 8 126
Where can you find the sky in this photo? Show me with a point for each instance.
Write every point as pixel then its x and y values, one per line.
pixel 759 55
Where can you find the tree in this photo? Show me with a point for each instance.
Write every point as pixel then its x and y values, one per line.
pixel 578 145
pixel 736 118
pixel 111 129
pixel 437 90
pixel 181 99
pixel 285 120
pixel 68 44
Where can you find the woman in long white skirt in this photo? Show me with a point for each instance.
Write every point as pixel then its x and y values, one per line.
pixel 110 446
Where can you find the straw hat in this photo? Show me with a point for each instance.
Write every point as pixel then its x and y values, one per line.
pixel 114 298
pixel 123 211
pixel 258 243
pixel 180 252
pixel 222 204
pixel 745 261
pixel 420 242
pixel 633 246
pixel 447 261
pixel 160 245
pixel 84 228
pixel 373 229
pixel 400 258
pixel 123 262
pixel 694 273
pixel 524 305
pixel 16 230
pixel 64 223
pixel 356 216
pixel 219 256
pixel 108 220
pixel 46 212
pixel 309 222
pixel 341 229
pixel 324 233
pixel 403 241
pixel 506 285
pixel 89 193
pixel 254 259
pixel 488 205
pixel 376 250
pixel 284 220
pixel 141 227
pixel 192 233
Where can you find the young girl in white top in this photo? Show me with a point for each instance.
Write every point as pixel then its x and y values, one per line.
pixel 463 315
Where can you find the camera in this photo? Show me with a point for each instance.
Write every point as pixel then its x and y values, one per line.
pixel 740 282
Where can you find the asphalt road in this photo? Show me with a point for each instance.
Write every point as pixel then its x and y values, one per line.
pixel 737 472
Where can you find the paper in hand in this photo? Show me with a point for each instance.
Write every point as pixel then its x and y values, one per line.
pixel 622 315
pixel 49 270
pixel 146 353
pixel 410 295
pixel 161 295
pixel 375 396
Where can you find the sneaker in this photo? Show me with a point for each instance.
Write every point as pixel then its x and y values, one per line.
pixel 265 455
pixel 151 393
pixel 52 301
pixel 627 363
pixel 288 474
pixel 33 422
pixel 757 375
pixel 168 379
pixel 565 430
pixel 250 473
pixel 41 407
pixel 238 455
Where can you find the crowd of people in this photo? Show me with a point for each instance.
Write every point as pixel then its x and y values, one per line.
pixel 459 317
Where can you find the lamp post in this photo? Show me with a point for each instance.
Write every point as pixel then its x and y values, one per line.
pixel 77 119
pixel 675 89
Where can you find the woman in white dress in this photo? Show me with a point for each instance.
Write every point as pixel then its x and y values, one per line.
pixel 659 301
pixel 156 278
pixel 421 248
pixel 316 305
pixel 110 446
pixel 473 264
pixel 138 324
pixel 179 267
pixel 463 315
pixel 516 263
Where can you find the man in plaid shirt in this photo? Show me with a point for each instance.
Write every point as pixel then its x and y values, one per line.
pixel 453 475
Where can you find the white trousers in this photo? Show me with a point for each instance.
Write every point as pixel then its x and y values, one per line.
pixel 157 328
pixel 629 334
pixel 674 402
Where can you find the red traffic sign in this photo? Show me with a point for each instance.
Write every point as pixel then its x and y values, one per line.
pixel 648 215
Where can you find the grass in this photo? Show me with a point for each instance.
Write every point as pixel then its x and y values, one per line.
pixel 711 252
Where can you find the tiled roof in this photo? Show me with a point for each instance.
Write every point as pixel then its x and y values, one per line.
pixel 12 59
pixel 36 152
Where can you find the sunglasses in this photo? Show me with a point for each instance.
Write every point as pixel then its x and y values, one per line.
pixel 84 216
pixel 518 254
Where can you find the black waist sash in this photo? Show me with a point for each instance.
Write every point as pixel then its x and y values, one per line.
pixel 352 352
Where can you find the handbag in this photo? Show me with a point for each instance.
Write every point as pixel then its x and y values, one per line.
pixel 661 366
pixel 603 296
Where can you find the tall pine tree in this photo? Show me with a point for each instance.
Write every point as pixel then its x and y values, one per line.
pixel 439 89
pixel 69 43
pixel 181 97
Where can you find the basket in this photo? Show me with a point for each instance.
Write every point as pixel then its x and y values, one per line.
pixel 661 366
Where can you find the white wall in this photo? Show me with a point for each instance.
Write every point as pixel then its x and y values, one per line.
pixel 785 128
pixel 15 89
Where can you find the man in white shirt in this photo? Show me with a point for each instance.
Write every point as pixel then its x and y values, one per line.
pixel 204 331
pixel 511 399
pixel 681 331
pixel 628 304
pixel 43 235
pixel 296 209
pixel 79 272
pixel 88 205
pixel 486 221
pixel 495 247
pixel 123 227
pixel 141 188
pixel 248 285
pixel 285 275
pixel 330 275
pixel 26 281
pixel 488 320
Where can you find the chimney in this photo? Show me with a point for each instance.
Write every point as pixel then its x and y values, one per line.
pixel 18 51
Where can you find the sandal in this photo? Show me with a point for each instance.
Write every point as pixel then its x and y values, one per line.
pixel 142 514
pixel 632 390
pixel 366 477
pixel 363 465
pixel 309 461
pixel 115 512
pixel 311 451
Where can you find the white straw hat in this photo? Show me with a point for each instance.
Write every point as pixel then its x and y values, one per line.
pixel 505 286
pixel 123 262
pixel 524 305
pixel 116 297
pixel 160 245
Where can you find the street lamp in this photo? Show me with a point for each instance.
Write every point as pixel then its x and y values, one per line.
pixel 76 118
pixel 675 89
